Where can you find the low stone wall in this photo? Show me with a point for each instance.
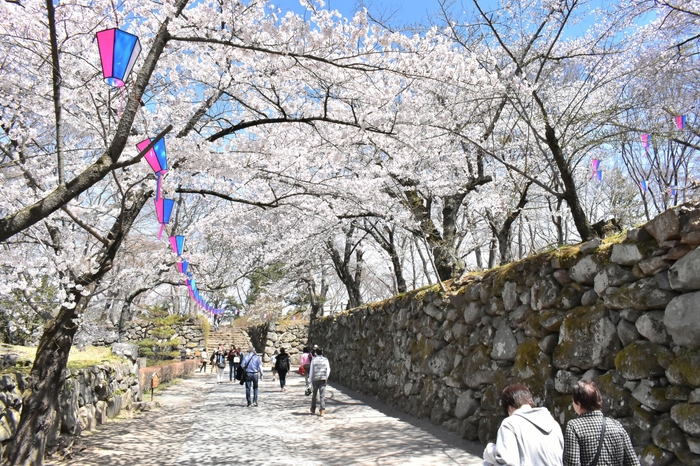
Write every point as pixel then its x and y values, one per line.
pixel 190 331
pixel 88 397
pixel 625 315
pixel 270 337
pixel 167 372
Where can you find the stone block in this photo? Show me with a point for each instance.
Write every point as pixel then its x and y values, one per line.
pixel 509 296
pixel 668 436
pixel 677 252
pixel 590 246
pixel 694 445
pixel 548 343
pixel 626 254
pixel 504 343
pixel 589 298
pixel 674 392
pixel 687 417
pixel 587 338
pixel 652 265
pixel 655 456
pixel 565 381
pixel 544 293
pixel 685 370
pixel 612 275
pixel 627 332
pixel 682 320
pixel 643 360
pixel 685 273
pixel 473 312
pixel 643 417
pixel 664 226
pixel 638 234
pixel 617 400
pixel 651 326
pixel 466 405
pixel 585 270
pixel 562 276
pixel 533 368
pixel 654 398
pixel 643 295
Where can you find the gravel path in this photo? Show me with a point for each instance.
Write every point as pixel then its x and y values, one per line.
pixel 204 423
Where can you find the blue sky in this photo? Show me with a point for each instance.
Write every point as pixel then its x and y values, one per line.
pixel 405 13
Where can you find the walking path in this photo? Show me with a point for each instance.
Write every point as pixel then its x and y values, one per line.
pixel 204 423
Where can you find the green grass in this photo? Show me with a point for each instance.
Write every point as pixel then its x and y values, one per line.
pixel 91 356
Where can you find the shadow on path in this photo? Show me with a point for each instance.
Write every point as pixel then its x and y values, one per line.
pixel 204 423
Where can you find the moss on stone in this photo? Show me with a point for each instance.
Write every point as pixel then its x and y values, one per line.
pixel 532 367
pixel 617 401
pixel 641 360
pixel 685 369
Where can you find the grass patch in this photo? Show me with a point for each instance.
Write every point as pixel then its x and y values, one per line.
pixel 91 356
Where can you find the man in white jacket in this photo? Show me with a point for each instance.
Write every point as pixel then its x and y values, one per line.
pixel 528 436
pixel 318 373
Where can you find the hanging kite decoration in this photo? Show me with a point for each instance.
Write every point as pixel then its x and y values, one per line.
pixel 178 244
pixel 118 53
pixel 156 158
pixel 164 209
pixel 646 139
pixel 680 122
pixel 643 186
pixel 596 172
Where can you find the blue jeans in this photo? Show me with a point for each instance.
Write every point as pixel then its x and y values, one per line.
pixel 251 378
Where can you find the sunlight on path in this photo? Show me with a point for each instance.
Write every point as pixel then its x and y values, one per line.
pixel 205 423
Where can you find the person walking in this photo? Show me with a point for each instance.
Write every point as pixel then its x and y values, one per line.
pixel 282 366
pixel 592 438
pixel 252 366
pixel 220 361
pixel 273 364
pixel 205 357
pixel 237 364
pixel 230 355
pixel 319 371
pixel 306 364
pixel 528 436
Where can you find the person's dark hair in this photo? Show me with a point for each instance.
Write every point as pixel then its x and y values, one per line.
pixel 319 351
pixel 306 349
pixel 282 351
pixel 587 395
pixel 516 395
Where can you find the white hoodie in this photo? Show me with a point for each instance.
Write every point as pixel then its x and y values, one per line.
pixel 528 437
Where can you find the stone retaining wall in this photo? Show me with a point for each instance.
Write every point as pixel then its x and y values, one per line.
pixel 626 315
pixel 270 337
pixel 190 331
pixel 88 397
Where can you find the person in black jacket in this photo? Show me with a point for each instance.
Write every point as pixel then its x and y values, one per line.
pixel 282 366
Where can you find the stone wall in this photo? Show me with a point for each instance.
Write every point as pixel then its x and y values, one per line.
pixel 167 372
pixel 88 397
pixel 269 337
pixel 190 331
pixel 626 315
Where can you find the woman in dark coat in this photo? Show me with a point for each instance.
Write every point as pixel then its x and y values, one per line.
pixel 282 367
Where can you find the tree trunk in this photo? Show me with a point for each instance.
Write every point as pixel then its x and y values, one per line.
pixel 570 192
pixel 47 374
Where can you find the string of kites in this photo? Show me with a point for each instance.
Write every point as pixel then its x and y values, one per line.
pixel 118 53
pixel 597 173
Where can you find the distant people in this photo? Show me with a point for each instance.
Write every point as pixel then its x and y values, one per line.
pixel 252 366
pixel 205 357
pixel 318 373
pixel 273 362
pixel 230 356
pixel 282 366
pixel 306 364
pixel 220 361
pixel 237 363
pixel 528 436
pixel 592 438
pixel 212 358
